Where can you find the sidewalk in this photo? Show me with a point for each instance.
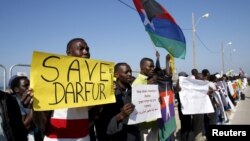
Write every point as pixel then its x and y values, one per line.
pixel 241 113
pixel 178 125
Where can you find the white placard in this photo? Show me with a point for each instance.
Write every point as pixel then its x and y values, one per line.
pixel 147 105
pixel 193 96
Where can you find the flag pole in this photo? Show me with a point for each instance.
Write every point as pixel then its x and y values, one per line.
pixel 153 45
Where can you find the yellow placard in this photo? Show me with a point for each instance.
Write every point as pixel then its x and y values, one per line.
pixel 60 81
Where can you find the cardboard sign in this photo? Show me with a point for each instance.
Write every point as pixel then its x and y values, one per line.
pixel 64 81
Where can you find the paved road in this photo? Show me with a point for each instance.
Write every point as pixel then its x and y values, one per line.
pixel 240 116
pixel 241 113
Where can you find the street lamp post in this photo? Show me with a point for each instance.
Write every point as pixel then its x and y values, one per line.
pixel 194 24
pixel 222 54
pixel 231 57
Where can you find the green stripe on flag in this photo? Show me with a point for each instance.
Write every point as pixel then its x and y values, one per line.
pixel 175 48
pixel 168 128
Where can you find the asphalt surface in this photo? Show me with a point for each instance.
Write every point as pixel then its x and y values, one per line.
pixel 241 114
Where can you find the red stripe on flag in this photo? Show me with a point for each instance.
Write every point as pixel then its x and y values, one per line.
pixel 166 15
pixel 63 128
pixel 139 7
pixel 169 93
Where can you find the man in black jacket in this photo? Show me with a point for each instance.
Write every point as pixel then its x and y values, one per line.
pixel 11 125
pixel 112 122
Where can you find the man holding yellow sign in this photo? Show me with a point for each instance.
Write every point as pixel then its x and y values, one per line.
pixel 67 85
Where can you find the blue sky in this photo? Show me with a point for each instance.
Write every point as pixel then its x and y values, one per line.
pixel 115 32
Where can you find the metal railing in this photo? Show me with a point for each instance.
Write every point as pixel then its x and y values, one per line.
pixel 16 65
pixel 5 73
pixel 4 76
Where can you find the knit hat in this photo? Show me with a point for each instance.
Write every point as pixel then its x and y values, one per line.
pixel 183 74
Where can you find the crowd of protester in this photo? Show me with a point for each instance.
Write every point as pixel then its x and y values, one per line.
pixel 225 91
pixel 108 122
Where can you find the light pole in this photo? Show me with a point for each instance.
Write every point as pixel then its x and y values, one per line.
pixel 222 54
pixel 194 24
pixel 231 56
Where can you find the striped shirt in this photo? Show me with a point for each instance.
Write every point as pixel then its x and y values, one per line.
pixel 69 124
